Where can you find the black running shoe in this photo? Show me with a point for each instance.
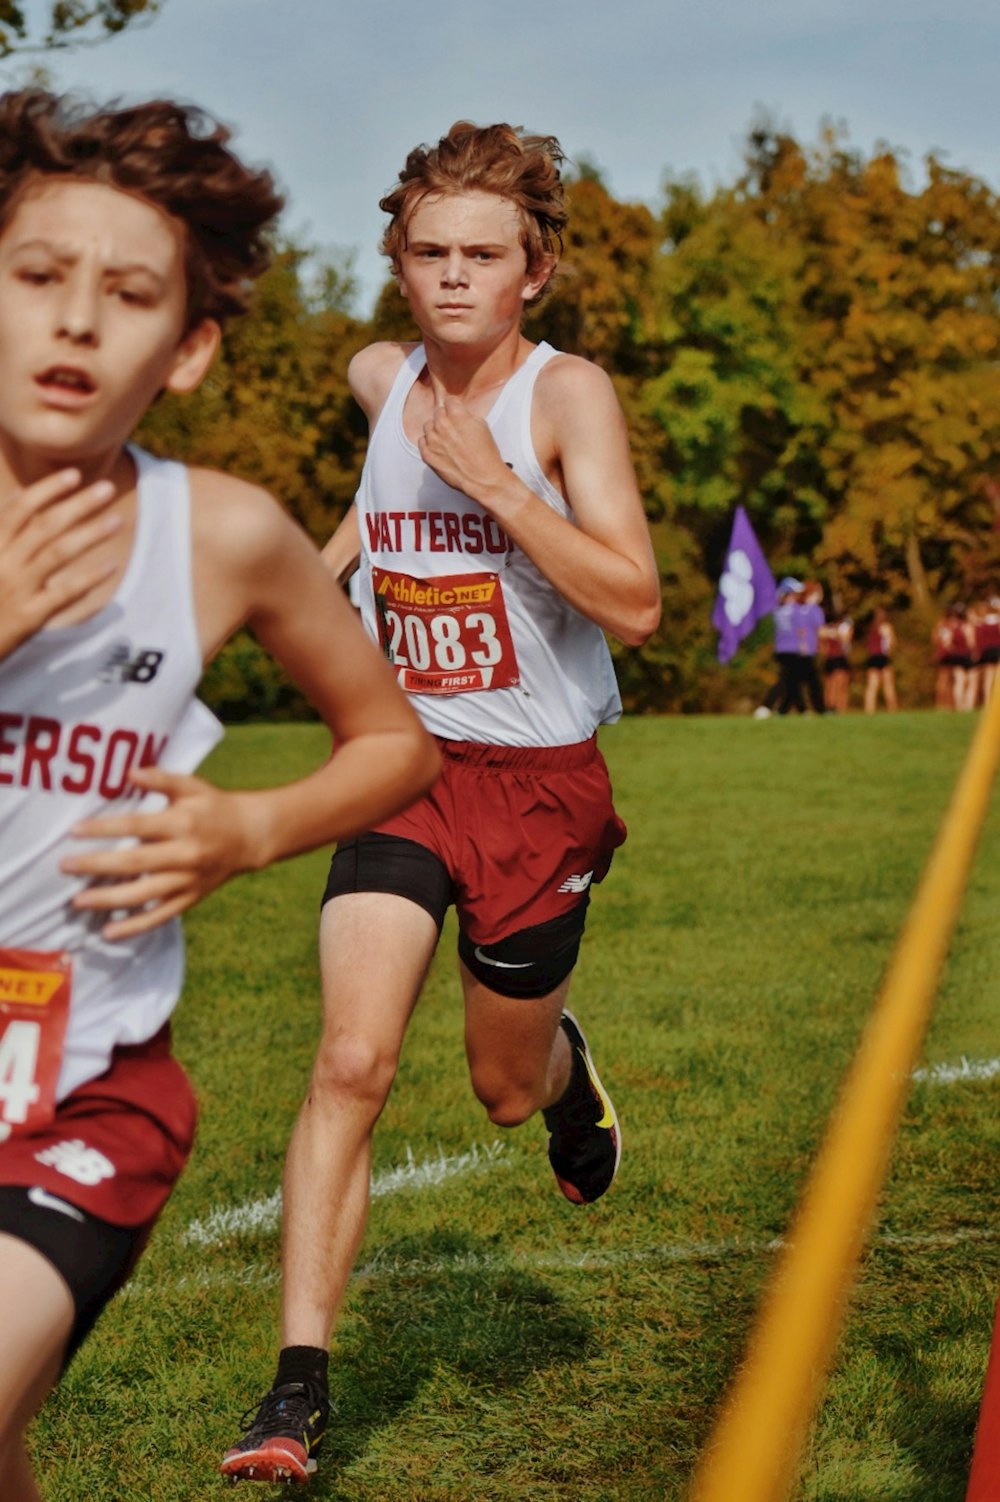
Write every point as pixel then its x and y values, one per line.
pixel 585 1140
pixel 282 1439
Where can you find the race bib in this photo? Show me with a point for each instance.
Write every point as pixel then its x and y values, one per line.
pixel 35 989
pixel 445 636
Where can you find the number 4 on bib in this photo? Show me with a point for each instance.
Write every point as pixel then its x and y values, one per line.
pixel 34 1009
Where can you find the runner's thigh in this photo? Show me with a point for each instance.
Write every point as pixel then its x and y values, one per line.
pixel 375 948
pixel 36 1318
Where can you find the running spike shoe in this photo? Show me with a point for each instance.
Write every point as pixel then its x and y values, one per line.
pixel 585 1142
pixel 282 1436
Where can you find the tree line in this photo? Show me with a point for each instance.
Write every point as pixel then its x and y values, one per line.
pixel 64 24
pixel 817 341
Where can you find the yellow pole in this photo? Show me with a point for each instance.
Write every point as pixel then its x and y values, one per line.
pixel 753 1454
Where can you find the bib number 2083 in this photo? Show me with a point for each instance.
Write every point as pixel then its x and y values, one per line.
pixel 447 635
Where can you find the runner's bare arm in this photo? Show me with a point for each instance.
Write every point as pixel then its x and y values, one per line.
pixel 602 561
pixel 342 552
pixel 370 376
pixel 47 531
pixel 272 579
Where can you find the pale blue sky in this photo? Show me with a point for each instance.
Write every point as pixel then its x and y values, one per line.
pixel 332 95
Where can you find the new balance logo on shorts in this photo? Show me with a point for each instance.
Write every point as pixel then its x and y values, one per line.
pixel 77 1161
pixel 577 883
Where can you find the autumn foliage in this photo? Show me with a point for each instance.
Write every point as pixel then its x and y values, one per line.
pixel 819 342
pixel 60 24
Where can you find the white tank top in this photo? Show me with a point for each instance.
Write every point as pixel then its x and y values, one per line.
pixel 489 650
pixel 79 707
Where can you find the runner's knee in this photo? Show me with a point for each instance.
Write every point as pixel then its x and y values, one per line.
pixel 508 1102
pixel 510 1086
pixel 352 1066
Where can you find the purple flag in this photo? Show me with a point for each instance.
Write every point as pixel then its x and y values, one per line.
pixel 746 589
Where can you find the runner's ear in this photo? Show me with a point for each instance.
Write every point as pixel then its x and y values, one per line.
pixel 537 277
pixel 194 356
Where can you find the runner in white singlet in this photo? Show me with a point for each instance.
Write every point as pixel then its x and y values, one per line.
pixel 498 533
pixel 125 237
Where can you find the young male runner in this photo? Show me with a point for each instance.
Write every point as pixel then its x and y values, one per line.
pixel 498 528
pixel 125 238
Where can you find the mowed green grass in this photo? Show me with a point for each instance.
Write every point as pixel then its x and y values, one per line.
pixel 499 1343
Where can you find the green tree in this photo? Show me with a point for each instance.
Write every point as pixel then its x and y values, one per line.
pixel 596 306
pixel 903 337
pixel 69 23
pixel 817 342
pixel 736 422
pixel 827 338
pixel 276 409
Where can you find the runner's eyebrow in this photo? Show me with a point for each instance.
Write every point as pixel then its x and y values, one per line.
pixel 446 245
pixel 67 257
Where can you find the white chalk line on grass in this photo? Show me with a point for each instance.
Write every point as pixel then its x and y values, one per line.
pixel 265 1214
pixel 956 1074
pixel 387 1265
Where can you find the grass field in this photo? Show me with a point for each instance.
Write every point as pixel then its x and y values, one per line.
pixel 498 1343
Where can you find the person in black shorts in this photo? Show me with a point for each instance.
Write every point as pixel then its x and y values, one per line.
pixel 126 236
pixel 498 531
pixel 880 643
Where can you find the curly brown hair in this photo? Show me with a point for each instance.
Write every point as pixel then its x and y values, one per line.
pixel 173 155
pixel 499 159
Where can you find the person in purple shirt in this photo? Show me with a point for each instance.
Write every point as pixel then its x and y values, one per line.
pixel 808 620
pixel 786 650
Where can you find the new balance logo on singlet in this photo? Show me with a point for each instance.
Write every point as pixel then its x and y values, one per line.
pixel 577 883
pixel 122 667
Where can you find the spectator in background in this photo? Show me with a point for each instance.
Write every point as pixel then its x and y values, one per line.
pixel 940 639
pixel 957 643
pixel 786 646
pixel 974 674
pixel 835 641
pixel 988 646
pixel 880 643
pixel 809 621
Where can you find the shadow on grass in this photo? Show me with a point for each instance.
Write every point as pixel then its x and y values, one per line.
pixel 936 1442
pixel 440 1304
pixel 940 1448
